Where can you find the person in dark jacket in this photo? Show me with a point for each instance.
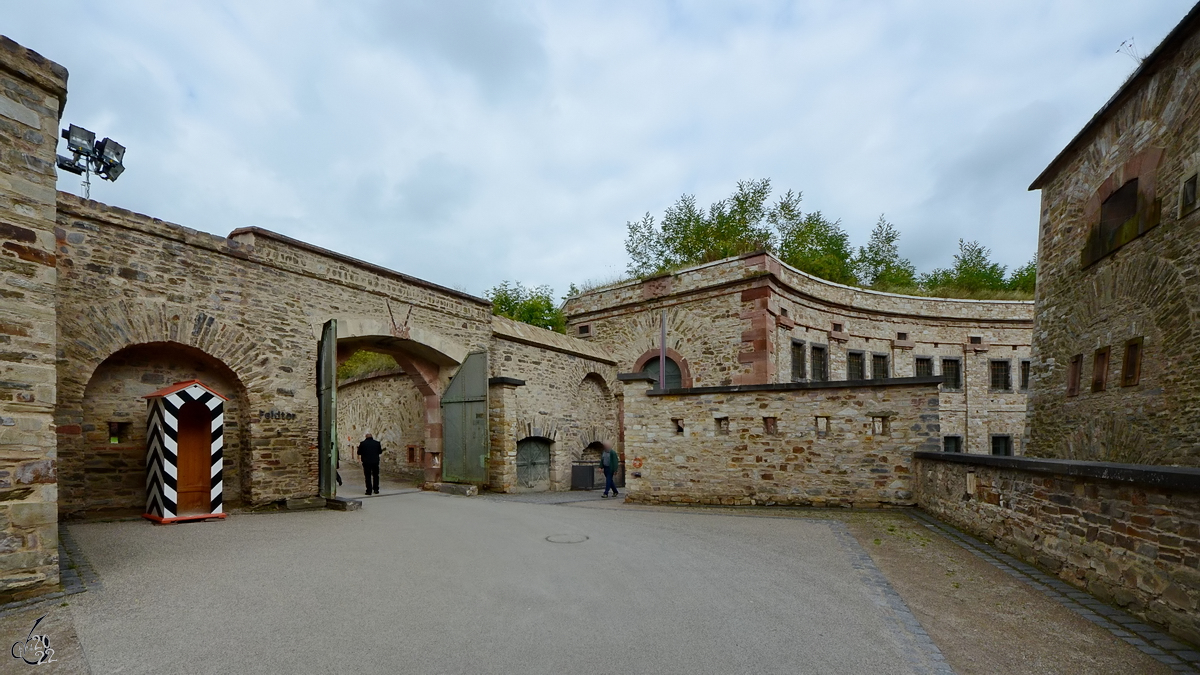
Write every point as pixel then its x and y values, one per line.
pixel 370 450
pixel 609 461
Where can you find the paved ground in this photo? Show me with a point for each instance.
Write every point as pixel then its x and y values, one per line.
pixel 421 582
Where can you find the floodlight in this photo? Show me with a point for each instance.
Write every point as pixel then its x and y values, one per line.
pixel 104 158
pixel 80 140
pixel 68 164
pixel 110 152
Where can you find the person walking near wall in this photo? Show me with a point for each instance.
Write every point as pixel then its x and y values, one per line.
pixel 609 461
pixel 369 451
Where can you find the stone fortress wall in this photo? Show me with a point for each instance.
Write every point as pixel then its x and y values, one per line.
pixel 805 444
pixel 743 320
pixel 33 92
pixel 1102 286
pixel 253 303
pixel 549 387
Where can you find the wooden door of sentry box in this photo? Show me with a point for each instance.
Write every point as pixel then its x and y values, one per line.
pixel 194 441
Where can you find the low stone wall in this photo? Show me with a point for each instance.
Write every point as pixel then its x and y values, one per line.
pixel 1129 534
pixel 815 444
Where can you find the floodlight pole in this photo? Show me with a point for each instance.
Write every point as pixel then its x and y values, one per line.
pixel 87 183
pixel 662 351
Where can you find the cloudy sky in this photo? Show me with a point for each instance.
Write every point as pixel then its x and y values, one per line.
pixel 469 142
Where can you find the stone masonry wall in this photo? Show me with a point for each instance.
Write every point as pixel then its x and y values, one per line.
pixel 254 304
pixel 1132 539
pixel 113 475
pixel 1145 289
pixel 389 406
pixel 567 397
pixel 32 95
pixel 830 445
pixel 735 322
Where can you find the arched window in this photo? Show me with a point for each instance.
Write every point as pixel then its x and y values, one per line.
pixel 674 379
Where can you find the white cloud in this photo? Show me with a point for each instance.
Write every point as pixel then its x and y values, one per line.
pixel 470 142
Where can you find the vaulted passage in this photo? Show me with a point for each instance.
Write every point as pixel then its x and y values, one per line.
pixel 103 469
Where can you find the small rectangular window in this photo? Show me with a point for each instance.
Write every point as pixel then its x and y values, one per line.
pixel 837 328
pixel 923 366
pixel 1100 369
pixel 1025 366
pixel 1001 375
pixel 976 339
pixel 771 426
pixel 678 424
pixel 1187 197
pixel 783 311
pixel 879 425
pixel 822 424
pixel 1131 365
pixel 951 374
pixel 879 366
pixel 799 371
pixel 118 432
pixel 1073 374
pixel 585 329
pixel 902 336
pixel 722 425
pixel 1002 445
pixel 952 443
pixel 820 364
pixel 855 365
pixel 412 454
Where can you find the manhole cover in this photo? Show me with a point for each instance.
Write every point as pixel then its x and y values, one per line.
pixel 566 538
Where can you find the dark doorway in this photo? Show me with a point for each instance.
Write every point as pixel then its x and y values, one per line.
pixel 533 465
pixel 195 459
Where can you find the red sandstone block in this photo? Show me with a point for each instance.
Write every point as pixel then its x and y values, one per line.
pixel 756 293
pixel 70 429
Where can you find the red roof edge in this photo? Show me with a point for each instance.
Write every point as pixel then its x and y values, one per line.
pixel 167 391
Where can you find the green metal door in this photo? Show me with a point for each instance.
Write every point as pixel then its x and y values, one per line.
pixel 533 465
pixel 465 423
pixel 327 410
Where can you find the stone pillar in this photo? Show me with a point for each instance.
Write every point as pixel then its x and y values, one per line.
pixel 32 95
pixel 635 425
pixel 502 433
pixel 976 379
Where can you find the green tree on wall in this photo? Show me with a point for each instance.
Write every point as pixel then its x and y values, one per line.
pixel 1024 278
pixel 690 235
pixel 973 271
pixel 533 305
pixel 812 243
pixel 879 265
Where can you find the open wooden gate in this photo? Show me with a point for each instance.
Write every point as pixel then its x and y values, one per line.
pixel 465 423
pixel 327 410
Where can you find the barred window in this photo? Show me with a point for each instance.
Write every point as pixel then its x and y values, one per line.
pixel 951 373
pixel 1002 445
pixel 1073 374
pixel 1100 369
pixel 879 366
pixel 1001 376
pixel 855 365
pixel 924 366
pixel 798 364
pixel 1131 366
pixel 1025 375
pixel 820 364
pixel 952 443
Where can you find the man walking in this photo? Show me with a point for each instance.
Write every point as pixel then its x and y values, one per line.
pixel 609 461
pixel 370 450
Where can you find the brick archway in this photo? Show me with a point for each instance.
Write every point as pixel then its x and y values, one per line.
pixel 685 375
